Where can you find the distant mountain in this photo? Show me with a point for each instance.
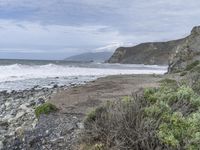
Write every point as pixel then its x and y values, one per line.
pixel 96 57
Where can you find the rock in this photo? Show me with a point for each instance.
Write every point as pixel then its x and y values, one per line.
pixel 4 125
pixel 40 101
pixel 19 126
pixel 186 52
pixel 34 123
pixel 55 86
pixel 4 92
pixel 1 145
pixel 13 112
pixel 80 125
pixel 19 131
pixel 25 108
pixel 7 104
pixel 19 115
pixel 31 104
pixel 7 117
pixel 3 107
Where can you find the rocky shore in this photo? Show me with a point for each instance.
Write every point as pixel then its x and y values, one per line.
pixel 19 127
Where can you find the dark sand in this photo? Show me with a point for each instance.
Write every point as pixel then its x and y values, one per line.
pixel 79 100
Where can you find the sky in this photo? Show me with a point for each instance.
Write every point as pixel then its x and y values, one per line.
pixel 56 29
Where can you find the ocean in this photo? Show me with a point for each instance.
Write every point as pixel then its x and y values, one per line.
pixel 26 74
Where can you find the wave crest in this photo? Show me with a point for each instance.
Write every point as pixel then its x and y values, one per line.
pixel 21 72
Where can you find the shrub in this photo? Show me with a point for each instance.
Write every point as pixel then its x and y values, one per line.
pixel 183 73
pixel 169 83
pixel 121 126
pixel 174 130
pixel 91 116
pixel 45 108
pixel 185 93
pixel 163 118
pixel 179 117
pixel 149 94
pixel 192 65
pixel 195 69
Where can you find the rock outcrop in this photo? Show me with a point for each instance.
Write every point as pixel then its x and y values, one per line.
pixel 186 52
pixel 155 53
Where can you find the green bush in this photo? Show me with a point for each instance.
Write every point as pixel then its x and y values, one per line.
pixel 149 94
pixel 185 93
pixel 164 117
pixel 183 73
pixel 196 69
pixel 179 115
pixel 45 108
pixel 92 115
pixel 192 65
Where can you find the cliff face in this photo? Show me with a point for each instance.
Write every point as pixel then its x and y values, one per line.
pixel 155 53
pixel 186 52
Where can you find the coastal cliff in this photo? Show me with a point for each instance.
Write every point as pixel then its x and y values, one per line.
pixel 186 52
pixel 177 54
pixel 154 53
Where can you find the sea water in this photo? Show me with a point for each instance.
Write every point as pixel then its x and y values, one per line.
pixel 25 74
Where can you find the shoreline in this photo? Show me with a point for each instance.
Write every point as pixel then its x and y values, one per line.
pixel 17 110
pixel 60 130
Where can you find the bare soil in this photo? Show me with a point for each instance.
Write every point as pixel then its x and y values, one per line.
pixel 79 100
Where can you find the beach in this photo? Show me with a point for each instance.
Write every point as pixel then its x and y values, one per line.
pixel 74 88
pixel 61 130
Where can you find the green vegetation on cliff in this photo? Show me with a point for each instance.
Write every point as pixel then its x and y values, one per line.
pixel 192 65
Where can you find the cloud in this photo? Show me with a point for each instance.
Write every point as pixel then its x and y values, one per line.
pixel 27 36
pixel 89 25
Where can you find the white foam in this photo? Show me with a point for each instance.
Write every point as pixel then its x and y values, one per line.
pixel 22 72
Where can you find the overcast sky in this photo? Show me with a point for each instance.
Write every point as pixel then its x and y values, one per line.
pixel 55 29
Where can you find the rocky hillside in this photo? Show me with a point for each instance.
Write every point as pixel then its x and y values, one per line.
pixel 186 52
pixel 146 53
pixel 87 57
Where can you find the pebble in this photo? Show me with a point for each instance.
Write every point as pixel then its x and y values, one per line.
pixel 19 131
pixel 7 104
pixel 19 115
pixel 1 145
pixel 17 119
pixel 40 101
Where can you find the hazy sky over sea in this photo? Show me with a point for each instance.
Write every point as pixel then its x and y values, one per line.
pixel 55 29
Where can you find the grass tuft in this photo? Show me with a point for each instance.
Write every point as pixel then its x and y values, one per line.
pixel 45 108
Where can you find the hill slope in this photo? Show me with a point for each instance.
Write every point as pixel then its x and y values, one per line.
pixel 187 52
pixel 96 57
pixel 154 53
